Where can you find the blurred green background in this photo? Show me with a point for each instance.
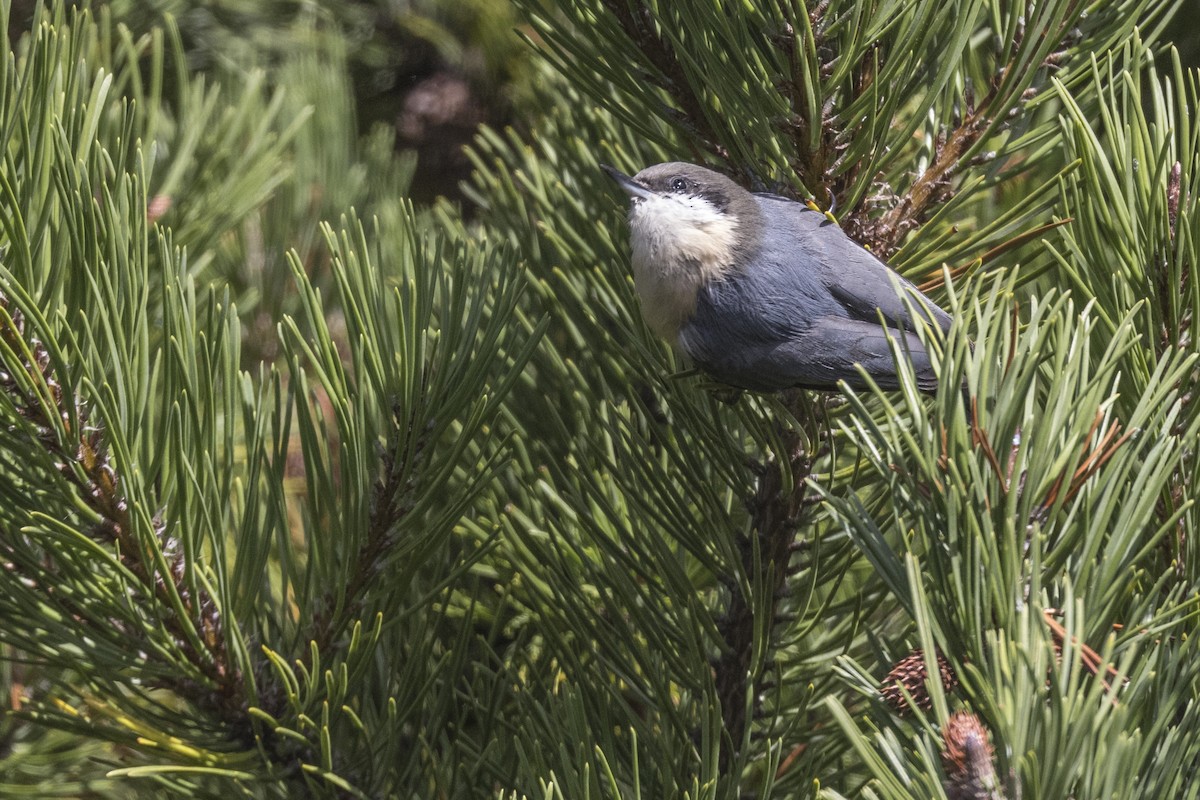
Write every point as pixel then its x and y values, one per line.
pixel 434 70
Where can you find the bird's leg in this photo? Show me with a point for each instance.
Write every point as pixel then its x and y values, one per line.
pixel 828 213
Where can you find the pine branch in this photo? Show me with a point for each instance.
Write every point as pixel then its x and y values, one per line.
pixel 823 165
pixel 391 502
pixel 931 188
pixel 777 512
pixel 640 28
pixel 191 618
pixel 934 186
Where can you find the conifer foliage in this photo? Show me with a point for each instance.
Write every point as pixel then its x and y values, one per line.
pixel 305 491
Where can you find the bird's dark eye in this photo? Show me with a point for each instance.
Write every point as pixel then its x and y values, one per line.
pixel 679 185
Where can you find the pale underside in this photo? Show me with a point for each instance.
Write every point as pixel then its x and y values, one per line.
pixel 680 244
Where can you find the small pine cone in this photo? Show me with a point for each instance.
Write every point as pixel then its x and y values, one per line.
pixel 967 759
pixel 910 673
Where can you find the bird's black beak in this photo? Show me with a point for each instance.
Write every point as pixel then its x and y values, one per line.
pixel 632 188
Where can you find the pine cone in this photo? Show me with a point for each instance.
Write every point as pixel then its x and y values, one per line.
pixel 967 759
pixel 910 673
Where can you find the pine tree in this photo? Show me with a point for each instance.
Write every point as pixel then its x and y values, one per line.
pixel 411 504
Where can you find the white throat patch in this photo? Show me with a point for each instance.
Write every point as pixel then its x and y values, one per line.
pixel 680 243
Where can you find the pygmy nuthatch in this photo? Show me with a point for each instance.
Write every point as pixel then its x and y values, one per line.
pixel 763 293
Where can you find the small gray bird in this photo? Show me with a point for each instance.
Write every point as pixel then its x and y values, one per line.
pixel 761 292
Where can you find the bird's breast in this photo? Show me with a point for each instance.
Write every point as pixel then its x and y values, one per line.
pixel 677 250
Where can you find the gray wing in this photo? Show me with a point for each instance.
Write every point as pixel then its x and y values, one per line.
pixel 862 284
pixel 807 313
pixel 828 351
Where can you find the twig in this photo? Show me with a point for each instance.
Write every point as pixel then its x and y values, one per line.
pixel 89 471
pixel 776 513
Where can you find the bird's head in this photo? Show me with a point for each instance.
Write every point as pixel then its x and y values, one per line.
pixel 688 226
pixel 683 217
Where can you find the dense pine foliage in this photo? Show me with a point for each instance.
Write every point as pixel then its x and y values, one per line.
pixel 306 490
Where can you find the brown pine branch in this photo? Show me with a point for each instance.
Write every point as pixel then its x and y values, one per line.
pixel 931 188
pixel 1091 660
